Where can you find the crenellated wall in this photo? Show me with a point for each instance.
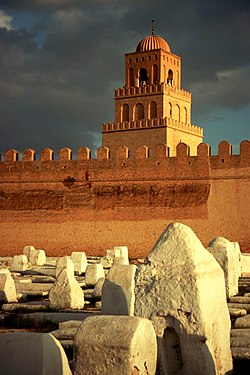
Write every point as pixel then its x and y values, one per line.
pixel 124 198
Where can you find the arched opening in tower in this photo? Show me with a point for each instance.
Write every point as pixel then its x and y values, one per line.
pixel 155 74
pixel 143 77
pixel 139 112
pixel 170 77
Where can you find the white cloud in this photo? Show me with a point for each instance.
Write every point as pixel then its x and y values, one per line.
pixel 5 20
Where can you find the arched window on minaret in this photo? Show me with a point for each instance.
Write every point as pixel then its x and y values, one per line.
pixel 143 77
pixel 155 73
pixel 131 78
pixel 125 113
pixel 170 77
pixel 185 115
pixel 178 113
pixel 139 112
pixel 170 110
pixel 153 110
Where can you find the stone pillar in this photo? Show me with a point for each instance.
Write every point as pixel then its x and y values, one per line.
pixel 181 288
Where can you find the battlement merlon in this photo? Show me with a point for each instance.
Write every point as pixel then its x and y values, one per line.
pixel 84 153
pixel 159 88
pixel 151 123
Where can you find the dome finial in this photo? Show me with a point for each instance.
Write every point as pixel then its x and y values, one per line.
pixel 153 27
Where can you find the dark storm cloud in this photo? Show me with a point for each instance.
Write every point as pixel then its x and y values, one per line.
pixel 61 60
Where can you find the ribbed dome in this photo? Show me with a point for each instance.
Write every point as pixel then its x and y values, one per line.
pixel 152 42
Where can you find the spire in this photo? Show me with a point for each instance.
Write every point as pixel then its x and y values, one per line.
pixel 153 27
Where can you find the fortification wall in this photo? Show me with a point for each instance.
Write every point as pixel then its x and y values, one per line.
pixel 93 204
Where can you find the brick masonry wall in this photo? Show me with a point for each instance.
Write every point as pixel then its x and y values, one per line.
pixel 93 204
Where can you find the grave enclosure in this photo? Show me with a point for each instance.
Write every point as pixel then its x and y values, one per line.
pixel 168 311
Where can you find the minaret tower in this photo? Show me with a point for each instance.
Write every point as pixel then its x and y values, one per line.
pixel 152 108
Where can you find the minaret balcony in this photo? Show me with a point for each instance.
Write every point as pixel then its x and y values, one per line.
pixel 151 123
pixel 158 88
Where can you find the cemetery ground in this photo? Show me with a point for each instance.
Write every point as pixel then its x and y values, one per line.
pixel 33 312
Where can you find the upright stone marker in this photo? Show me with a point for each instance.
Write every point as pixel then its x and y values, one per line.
pixel 115 345
pixel 93 273
pixel 64 263
pixel 238 257
pixel 30 353
pixel 19 263
pixel 80 261
pixel 27 250
pixel 66 293
pixel 181 288
pixel 7 287
pixel 118 296
pixel 226 255
pixel 37 257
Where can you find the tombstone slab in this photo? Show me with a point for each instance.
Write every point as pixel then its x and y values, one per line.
pixel 66 292
pixel 80 261
pixel 228 258
pixel 32 353
pixel 112 345
pixel 97 292
pixel 93 273
pixel 64 263
pixel 19 263
pixel 37 257
pixel 7 287
pixel 107 261
pixel 118 296
pixel 181 289
pixel 27 250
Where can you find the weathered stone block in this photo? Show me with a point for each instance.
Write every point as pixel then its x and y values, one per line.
pixel 113 253
pixel 181 288
pixel 118 295
pixel 7 287
pixel 37 257
pixel 93 273
pixel 66 293
pixel 64 263
pixel 245 261
pixel 97 292
pixel 238 256
pixel 120 261
pixel 27 250
pixel 122 250
pixel 107 261
pixel 19 263
pixel 32 353
pixel 225 254
pixel 80 261
pixel 112 345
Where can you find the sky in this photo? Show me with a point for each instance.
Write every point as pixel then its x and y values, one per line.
pixel 60 61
